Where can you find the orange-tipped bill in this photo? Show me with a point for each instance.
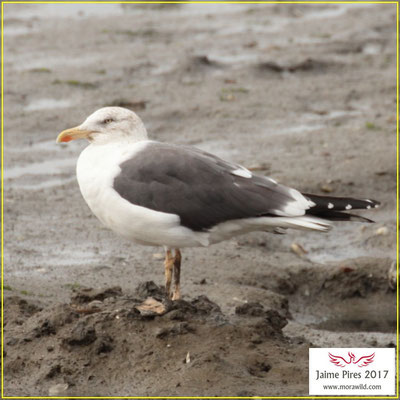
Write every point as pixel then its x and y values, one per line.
pixel 72 134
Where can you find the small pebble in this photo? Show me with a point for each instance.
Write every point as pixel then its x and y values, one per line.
pixel 326 188
pixel 298 249
pixel 58 389
pixel 382 231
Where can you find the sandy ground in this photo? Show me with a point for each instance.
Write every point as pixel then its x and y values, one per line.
pixel 303 93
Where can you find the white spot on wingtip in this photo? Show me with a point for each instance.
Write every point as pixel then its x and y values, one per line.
pixel 330 205
pixel 376 205
pixel 348 207
pixel 368 207
pixel 243 172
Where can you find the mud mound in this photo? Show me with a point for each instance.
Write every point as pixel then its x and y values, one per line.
pixel 19 309
pixel 105 338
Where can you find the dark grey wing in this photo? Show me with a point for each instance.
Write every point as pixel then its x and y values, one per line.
pixel 202 189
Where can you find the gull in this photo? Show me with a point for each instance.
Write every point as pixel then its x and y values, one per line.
pixel 162 194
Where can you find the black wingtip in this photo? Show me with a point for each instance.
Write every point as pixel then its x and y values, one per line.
pixel 372 203
pixel 322 203
pixel 342 216
pixel 361 219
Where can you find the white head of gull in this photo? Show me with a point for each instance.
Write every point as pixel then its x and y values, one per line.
pixel 106 125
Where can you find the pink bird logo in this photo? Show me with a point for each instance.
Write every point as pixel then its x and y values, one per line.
pixel 361 362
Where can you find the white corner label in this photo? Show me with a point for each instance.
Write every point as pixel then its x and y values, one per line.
pixel 352 371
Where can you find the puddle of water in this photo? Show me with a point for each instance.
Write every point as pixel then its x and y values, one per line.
pixel 359 323
pixel 235 58
pixel 334 12
pixel 49 145
pixel 375 319
pixel 61 10
pixel 278 22
pixel 25 62
pixel 301 128
pixel 340 113
pixel 165 68
pixel 48 183
pixel 47 104
pixel 49 167
pixel 210 8
pixel 372 48
pixel 310 122
pixel 331 12
pixel 44 174
pixel 63 258
pixel 17 29
pixel 66 257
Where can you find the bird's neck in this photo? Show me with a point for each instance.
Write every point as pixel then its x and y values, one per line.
pixel 140 133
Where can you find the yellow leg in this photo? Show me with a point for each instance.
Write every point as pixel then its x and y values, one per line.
pixel 177 275
pixel 168 265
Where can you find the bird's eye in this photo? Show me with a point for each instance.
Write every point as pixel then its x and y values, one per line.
pixel 108 120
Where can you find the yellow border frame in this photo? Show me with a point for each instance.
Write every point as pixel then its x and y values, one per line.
pixel 198 2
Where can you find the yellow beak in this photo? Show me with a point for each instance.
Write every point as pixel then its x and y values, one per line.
pixel 72 134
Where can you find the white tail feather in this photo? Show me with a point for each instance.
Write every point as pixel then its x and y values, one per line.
pixel 305 222
pixel 236 227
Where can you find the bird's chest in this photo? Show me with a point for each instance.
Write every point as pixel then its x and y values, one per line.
pixel 96 170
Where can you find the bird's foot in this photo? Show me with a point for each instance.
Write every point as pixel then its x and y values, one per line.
pixel 177 294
